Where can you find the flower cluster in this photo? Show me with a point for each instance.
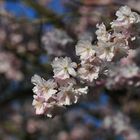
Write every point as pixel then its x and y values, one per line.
pixel 95 60
pixel 124 74
pixel 111 46
pixel 121 125
pixel 16 41
pixel 57 92
pixel 57 39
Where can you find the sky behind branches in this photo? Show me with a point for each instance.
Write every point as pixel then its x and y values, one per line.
pixel 18 8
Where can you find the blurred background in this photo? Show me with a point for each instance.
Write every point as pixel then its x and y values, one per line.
pixel 32 33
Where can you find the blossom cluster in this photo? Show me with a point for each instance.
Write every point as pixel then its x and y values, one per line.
pixel 111 46
pixel 70 79
pixel 125 73
pixel 56 92
pixel 120 123
pixel 16 41
pixel 57 39
pixel 10 66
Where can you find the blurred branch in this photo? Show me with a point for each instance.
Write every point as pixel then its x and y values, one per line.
pixel 45 14
pixel 23 20
pixel 97 4
pixel 51 16
pixel 19 94
pixel 91 4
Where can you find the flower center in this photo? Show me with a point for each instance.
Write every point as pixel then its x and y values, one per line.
pixel 65 68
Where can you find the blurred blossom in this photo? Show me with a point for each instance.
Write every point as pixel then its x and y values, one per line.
pixel 125 73
pixel 80 132
pixel 134 4
pixel 129 71
pixel 32 126
pixel 10 66
pixel 15 38
pixel 63 136
pixel 57 40
pixel 121 125
pixel 2 36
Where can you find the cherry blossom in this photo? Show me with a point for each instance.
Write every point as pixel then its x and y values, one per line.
pixel 125 17
pixel 67 96
pixel 48 94
pixel 63 68
pixel 107 59
pixel 39 104
pixel 105 51
pixel 85 50
pixel 102 34
pixel 43 88
pixel 89 72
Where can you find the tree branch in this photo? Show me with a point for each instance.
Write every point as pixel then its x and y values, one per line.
pixel 50 15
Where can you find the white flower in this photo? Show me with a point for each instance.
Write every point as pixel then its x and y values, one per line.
pixel 43 107
pixel 39 104
pixel 66 82
pixel 45 95
pixel 104 48
pixel 105 51
pixel 85 50
pixel 43 88
pixel 63 68
pixel 88 72
pixel 67 96
pixel 102 34
pixel 125 17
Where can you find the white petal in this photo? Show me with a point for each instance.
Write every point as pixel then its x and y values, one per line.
pixel 62 75
pixel 36 80
pixel 72 72
pixel 49 94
